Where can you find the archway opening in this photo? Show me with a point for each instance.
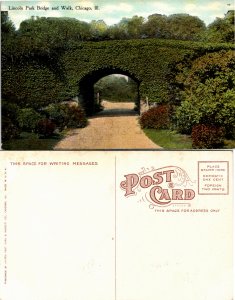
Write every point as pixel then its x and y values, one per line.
pixel 116 94
pixel 110 88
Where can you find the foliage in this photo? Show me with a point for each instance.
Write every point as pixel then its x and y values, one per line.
pixel 209 93
pixel 184 27
pixel 186 117
pixel 56 113
pixel 48 34
pixel 7 26
pixel 98 29
pixel 177 26
pixel 45 35
pixel 148 62
pixel 207 136
pixel 134 27
pixel 47 61
pixel 32 84
pixel 31 141
pixel 117 31
pixel 77 117
pixel 64 116
pixel 28 119
pixel 45 127
pixel 221 30
pixel 9 129
pixel 114 88
pixel 10 110
pixel 156 117
pixel 155 27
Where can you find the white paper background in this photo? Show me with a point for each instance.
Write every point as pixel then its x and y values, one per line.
pixel 71 234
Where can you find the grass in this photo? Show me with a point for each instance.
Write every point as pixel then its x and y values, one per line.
pixel 229 144
pixel 169 139
pixel 31 141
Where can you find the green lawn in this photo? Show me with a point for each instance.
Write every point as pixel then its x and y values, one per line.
pixel 168 139
pixel 31 141
pixel 229 144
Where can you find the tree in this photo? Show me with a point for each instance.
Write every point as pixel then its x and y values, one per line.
pixel 134 27
pixel 8 38
pixel 118 31
pixel 7 26
pixel 46 35
pixel 98 29
pixel 185 27
pixel 221 30
pixel 155 27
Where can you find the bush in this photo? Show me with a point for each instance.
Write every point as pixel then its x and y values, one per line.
pixel 9 130
pixel 28 119
pixel 76 117
pixel 186 116
pixel 46 127
pixel 156 117
pixel 10 110
pixel 10 127
pixel 57 114
pixel 207 136
pixel 64 116
pixel 209 93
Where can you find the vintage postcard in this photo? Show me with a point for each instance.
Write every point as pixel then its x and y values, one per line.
pixel 137 76
pixel 116 225
pixel 105 74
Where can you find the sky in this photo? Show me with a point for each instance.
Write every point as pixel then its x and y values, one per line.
pixel 112 11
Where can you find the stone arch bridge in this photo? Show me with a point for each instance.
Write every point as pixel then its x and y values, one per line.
pixel 76 69
pixel 148 62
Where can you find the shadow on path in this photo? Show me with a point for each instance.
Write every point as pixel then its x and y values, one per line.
pixel 116 109
pixel 115 113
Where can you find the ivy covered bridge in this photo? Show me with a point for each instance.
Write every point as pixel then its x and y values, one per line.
pixel 43 78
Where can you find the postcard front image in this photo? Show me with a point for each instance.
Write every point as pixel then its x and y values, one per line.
pixel 108 87
pixel 109 75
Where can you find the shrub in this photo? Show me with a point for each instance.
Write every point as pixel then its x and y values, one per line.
pixel 10 110
pixel 64 115
pixel 76 117
pixel 209 93
pixel 46 127
pixel 186 117
pixel 57 114
pixel 9 130
pixel 207 136
pixel 10 127
pixel 28 119
pixel 156 117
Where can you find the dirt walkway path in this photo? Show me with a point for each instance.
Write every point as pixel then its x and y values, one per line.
pixel 116 127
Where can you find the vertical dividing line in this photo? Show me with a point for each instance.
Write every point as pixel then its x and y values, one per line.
pixel 115 236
